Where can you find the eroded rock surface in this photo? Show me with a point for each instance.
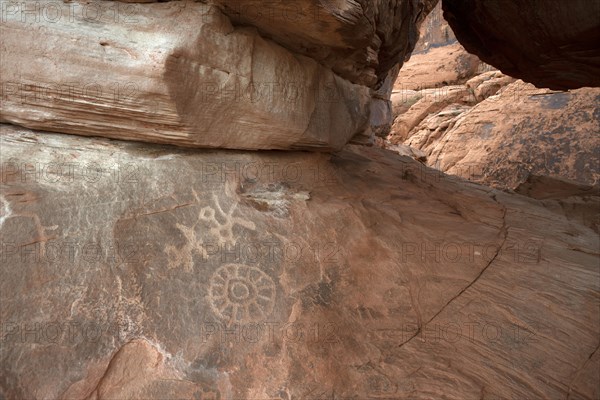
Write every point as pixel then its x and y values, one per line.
pixel 550 43
pixel 520 132
pixel 435 31
pixel 175 72
pixel 287 76
pixel 144 271
pixel 438 67
pixel 361 40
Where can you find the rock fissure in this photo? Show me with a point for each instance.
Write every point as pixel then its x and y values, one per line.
pixel 504 234
pixel 578 371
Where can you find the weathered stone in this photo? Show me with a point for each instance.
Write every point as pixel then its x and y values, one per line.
pixel 361 40
pixel 424 124
pixel 435 31
pixel 488 84
pixel 433 127
pixel 359 274
pixel 175 72
pixel 520 132
pixel 576 201
pixel 438 67
pixel 550 43
pixel 428 102
pixel 381 111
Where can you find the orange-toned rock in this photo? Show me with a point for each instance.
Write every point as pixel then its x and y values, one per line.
pixel 149 272
pixel 520 132
pixel 488 84
pixel 438 67
pixel 426 102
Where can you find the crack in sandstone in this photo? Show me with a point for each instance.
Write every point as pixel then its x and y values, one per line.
pixel 504 232
pixel 106 371
pixel 165 210
pixel 570 388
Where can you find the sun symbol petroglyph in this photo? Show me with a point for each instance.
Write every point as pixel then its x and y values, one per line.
pixel 241 294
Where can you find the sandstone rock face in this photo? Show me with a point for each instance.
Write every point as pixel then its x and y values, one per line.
pixel 423 117
pixel 550 43
pixel 556 161
pixel 436 123
pixel 435 31
pixel 488 84
pixel 173 72
pixel 427 102
pixel 180 72
pixel 435 78
pixel 143 271
pixel 520 132
pixel 579 202
pixel 438 67
pixel 361 40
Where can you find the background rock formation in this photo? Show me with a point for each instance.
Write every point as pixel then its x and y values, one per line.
pixel 536 132
pixel 435 31
pixel 461 116
pixel 550 43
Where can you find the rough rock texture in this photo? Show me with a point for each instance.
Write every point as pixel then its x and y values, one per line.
pixel 381 114
pixel 520 132
pixel 435 31
pixel 526 134
pixel 173 72
pixel 550 43
pixel 442 74
pixel 426 103
pixel 441 66
pixel 488 84
pixel 423 117
pixel 140 271
pixel 361 40
pixel 577 201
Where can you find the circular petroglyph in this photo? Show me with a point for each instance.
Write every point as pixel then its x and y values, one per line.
pixel 241 294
